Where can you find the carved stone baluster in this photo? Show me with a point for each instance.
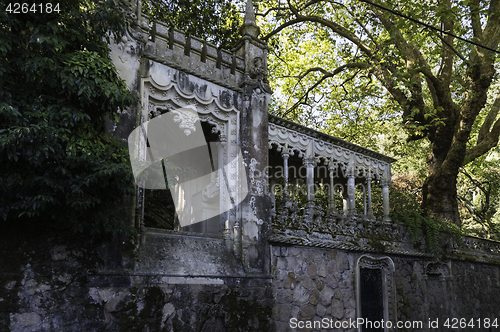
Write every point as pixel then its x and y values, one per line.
pixel 385 183
pixel 332 167
pixel 369 214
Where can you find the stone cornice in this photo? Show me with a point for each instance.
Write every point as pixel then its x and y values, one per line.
pixel 327 138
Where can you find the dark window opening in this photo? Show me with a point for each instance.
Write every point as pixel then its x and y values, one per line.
pixel 159 206
pixel 372 302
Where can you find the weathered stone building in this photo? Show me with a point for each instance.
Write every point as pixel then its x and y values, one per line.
pixel 304 245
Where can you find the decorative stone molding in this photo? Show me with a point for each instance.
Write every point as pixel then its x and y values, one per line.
pixel 167 89
pixel 386 265
pixel 186 118
pixel 291 220
pixel 478 249
pixel 438 268
pixel 192 55
pixel 312 147
pixel 310 161
pixel 477 244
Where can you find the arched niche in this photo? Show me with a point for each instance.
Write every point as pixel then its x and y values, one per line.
pixel 375 290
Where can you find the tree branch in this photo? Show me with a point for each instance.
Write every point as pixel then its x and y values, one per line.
pixel 326 74
pixel 412 54
pixel 445 42
pixel 488 143
pixel 488 121
pixel 385 77
pixel 368 33
pixel 270 10
pixel 492 30
pixel 475 20
pixel 281 27
pixel 447 52
pixel 338 29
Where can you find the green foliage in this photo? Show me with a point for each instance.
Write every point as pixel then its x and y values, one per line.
pixel 479 196
pixel 216 21
pixel 430 227
pixel 406 197
pixel 57 84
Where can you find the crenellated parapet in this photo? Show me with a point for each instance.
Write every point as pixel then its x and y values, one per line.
pixel 192 55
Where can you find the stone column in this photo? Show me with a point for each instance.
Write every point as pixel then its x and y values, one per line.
pixel 310 163
pixel 331 203
pixel 286 155
pixel 253 106
pixel 351 194
pixel 351 189
pixel 364 198
pixel 272 194
pixel 385 183
pixel 369 214
pixel 332 167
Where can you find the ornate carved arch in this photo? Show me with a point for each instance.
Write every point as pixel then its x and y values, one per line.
pixel 386 266
pixel 167 89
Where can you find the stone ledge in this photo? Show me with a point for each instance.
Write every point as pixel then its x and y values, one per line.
pixel 332 244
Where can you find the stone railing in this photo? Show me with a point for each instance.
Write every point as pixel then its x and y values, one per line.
pixel 481 245
pixel 313 227
pixel 478 249
pixel 314 219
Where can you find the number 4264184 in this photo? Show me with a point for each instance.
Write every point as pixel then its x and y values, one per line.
pixel 35 8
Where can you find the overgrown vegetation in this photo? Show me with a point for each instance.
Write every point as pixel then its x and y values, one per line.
pixel 364 74
pixel 430 227
pixel 406 196
pixel 479 198
pixel 57 83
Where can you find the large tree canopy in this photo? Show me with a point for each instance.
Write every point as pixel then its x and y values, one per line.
pixel 57 83
pixel 348 58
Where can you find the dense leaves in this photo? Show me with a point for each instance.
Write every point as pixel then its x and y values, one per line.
pixel 57 83
pixel 216 21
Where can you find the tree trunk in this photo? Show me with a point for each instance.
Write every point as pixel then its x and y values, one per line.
pixel 440 196
pixel 439 191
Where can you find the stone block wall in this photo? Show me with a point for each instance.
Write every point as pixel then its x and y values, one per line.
pixel 468 290
pixel 312 284
pixel 236 305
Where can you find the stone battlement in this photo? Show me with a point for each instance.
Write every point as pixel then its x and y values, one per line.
pixel 174 48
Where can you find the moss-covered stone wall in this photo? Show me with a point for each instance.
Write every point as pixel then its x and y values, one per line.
pixel 54 281
pixel 318 284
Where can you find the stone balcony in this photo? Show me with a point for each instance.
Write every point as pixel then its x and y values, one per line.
pixel 322 187
pixel 315 176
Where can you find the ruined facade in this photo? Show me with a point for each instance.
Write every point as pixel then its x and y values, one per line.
pixel 311 241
